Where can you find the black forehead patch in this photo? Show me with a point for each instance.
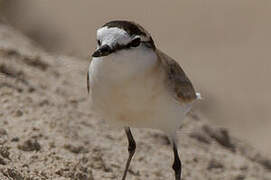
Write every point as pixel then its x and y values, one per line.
pixel 127 26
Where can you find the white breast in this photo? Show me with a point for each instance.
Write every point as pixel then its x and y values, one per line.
pixel 131 92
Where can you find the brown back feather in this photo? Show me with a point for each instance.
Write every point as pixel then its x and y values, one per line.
pixel 178 81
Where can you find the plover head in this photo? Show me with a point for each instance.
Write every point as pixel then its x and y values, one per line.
pixel 116 36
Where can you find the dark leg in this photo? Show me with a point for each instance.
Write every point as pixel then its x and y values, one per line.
pixel 131 150
pixel 177 165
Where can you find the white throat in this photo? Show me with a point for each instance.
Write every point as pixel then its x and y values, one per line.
pixel 124 64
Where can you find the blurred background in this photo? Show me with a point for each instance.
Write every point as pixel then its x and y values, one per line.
pixel 224 46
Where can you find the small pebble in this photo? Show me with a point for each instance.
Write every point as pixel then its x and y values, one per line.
pixel 30 145
pixel 214 164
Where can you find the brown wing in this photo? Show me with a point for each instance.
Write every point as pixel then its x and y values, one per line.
pixel 177 79
pixel 88 81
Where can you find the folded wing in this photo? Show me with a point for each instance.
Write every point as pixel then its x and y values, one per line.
pixel 177 80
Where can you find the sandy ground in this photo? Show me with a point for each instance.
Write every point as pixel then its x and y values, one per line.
pixel 48 132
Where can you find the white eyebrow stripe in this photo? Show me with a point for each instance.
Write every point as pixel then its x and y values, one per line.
pixel 112 35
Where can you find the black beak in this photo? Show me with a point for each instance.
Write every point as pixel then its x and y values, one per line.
pixel 102 51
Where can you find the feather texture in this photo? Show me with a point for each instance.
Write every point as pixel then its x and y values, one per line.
pixel 176 79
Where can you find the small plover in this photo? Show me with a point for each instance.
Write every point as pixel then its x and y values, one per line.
pixel 134 84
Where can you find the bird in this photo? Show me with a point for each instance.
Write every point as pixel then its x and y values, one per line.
pixel 133 84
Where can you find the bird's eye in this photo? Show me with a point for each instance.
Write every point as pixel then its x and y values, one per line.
pixel 135 42
pixel 99 42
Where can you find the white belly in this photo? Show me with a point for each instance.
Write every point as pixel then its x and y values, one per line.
pixel 129 95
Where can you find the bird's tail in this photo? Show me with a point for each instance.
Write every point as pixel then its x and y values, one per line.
pixel 198 96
